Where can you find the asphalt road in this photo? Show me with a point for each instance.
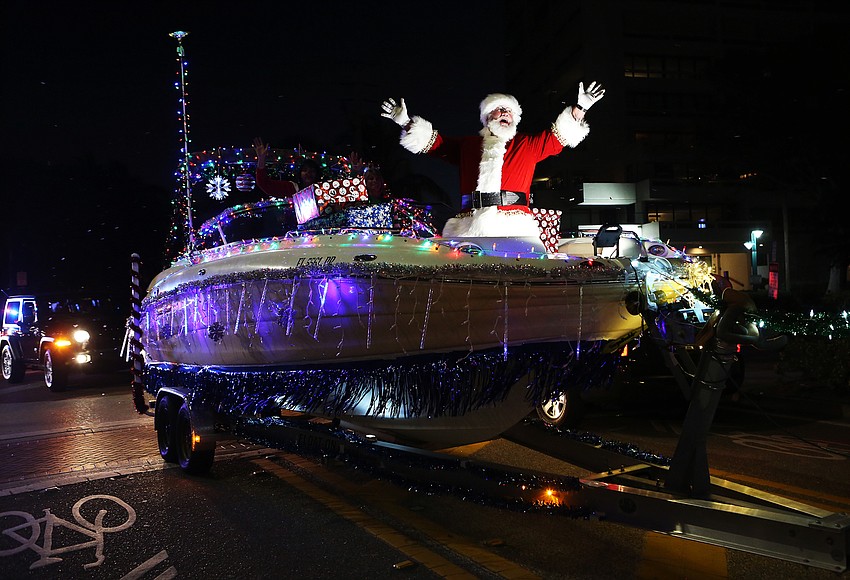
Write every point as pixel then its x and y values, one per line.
pixel 265 513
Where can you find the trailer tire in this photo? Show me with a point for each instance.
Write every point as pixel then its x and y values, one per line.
pixel 166 423
pixel 192 458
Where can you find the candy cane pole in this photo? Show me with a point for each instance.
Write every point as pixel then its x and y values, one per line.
pixel 135 340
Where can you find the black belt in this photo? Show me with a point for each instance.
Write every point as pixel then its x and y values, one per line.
pixel 484 199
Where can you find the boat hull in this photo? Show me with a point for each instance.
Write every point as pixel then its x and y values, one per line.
pixel 285 307
pixel 408 339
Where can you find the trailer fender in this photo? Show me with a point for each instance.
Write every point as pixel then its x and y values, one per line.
pixel 203 419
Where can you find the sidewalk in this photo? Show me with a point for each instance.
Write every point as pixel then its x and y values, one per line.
pixel 40 460
pixel 36 456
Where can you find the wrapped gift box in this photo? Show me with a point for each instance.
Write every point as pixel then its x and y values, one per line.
pixel 549 221
pixel 305 205
pixel 375 215
pixel 339 193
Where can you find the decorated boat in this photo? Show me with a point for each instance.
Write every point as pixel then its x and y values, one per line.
pixel 417 338
pixel 358 313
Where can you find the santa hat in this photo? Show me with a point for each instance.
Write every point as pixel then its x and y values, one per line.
pixel 496 100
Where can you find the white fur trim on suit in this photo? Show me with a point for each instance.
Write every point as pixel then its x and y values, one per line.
pixel 490 222
pixel 567 130
pixel 492 159
pixel 420 137
pixel 495 100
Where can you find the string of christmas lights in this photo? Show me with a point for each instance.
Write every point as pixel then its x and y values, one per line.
pixel 233 162
pixel 830 325
pixel 220 169
pixel 181 235
pixel 823 324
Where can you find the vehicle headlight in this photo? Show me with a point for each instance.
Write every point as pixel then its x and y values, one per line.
pixel 81 335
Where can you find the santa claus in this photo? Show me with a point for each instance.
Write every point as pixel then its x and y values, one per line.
pixel 497 165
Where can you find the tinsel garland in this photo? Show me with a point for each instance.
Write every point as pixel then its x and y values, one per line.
pixel 490 485
pixel 627 449
pixel 575 273
pixel 427 385
pixel 430 474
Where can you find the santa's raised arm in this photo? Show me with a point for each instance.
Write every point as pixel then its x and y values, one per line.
pixel 497 165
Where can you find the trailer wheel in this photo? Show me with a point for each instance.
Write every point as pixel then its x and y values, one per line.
pixel 193 458
pixel 55 375
pixel 566 410
pixel 13 368
pixel 166 422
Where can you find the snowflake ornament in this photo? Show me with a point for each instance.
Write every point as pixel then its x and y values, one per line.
pixel 218 188
pixel 216 331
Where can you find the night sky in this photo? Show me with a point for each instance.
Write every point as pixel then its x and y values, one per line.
pixel 89 106
pixel 95 78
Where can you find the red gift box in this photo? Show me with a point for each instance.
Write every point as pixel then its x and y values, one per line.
pixel 549 222
pixel 339 193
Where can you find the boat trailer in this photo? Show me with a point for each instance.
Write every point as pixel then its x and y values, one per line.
pixel 680 499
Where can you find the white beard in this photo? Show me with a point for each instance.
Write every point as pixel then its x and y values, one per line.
pixel 503 133
pixel 495 140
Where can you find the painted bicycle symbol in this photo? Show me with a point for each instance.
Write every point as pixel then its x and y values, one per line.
pixel 816 449
pixel 26 531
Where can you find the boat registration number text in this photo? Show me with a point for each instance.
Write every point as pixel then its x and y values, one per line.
pixel 316 261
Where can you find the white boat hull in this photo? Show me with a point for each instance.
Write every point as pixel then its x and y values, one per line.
pixel 409 339
pixel 268 308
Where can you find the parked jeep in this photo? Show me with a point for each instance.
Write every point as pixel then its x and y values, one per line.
pixel 60 335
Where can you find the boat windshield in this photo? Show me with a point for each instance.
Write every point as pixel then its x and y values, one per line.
pixel 262 219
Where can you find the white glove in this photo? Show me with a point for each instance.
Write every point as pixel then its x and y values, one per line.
pixel 586 98
pixel 395 112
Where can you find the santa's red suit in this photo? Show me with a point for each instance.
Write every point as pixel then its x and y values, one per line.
pixel 490 164
pixel 521 156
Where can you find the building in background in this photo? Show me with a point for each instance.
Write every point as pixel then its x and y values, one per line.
pixel 721 118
